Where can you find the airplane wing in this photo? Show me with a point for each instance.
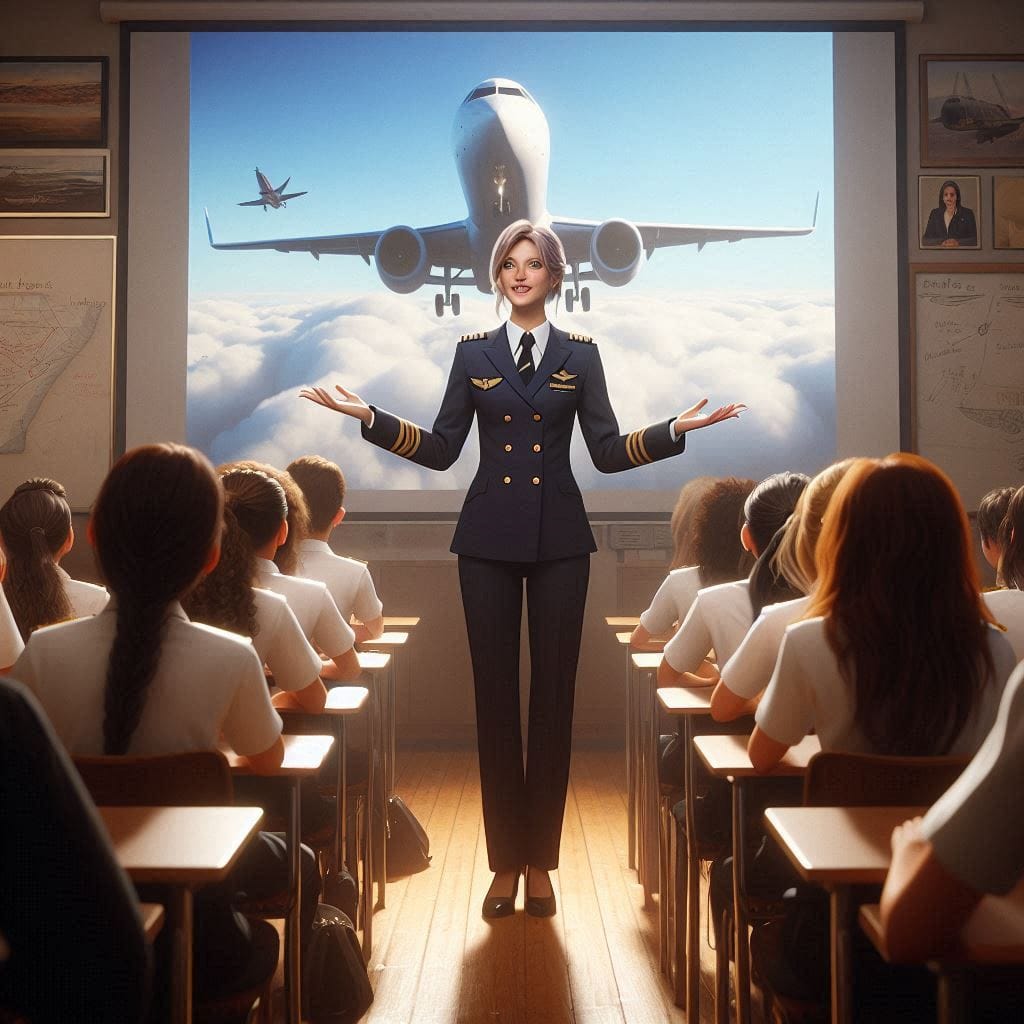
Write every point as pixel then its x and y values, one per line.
pixel 576 234
pixel 293 195
pixel 447 246
pixel 255 202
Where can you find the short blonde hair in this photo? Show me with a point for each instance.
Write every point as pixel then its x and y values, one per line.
pixel 549 245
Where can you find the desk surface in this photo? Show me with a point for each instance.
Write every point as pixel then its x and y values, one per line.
pixel 303 755
pixel 346 700
pixel 401 621
pixel 727 755
pixel 838 845
pixel 179 845
pixel 994 933
pixel 373 659
pixel 646 659
pixel 685 700
pixel 393 638
pixel 622 621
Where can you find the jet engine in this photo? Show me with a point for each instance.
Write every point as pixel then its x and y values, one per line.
pixel 401 258
pixel 616 252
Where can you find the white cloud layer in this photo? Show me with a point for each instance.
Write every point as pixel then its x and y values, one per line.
pixel 248 359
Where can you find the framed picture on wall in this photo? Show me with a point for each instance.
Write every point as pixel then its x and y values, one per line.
pixel 54 183
pixel 1008 211
pixel 53 101
pixel 972 110
pixel 949 211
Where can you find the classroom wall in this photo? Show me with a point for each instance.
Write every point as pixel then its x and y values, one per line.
pixel 414 570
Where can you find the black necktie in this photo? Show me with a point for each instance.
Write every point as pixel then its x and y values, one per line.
pixel 526 367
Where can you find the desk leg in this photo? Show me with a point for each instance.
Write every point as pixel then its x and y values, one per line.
pixel 179 913
pixel 692 879
pixel 292 940
pixel 839 936
pixel 631 730
pixel 650 786
pixel 951 998
pixel 377 786
pixel 739 909
pixel 369 868
pixel 392 737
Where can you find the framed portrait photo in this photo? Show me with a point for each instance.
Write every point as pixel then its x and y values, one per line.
pixel 972 110
pixel 53 101
pixel 949 211
pixel 1008 211
pixel 54 182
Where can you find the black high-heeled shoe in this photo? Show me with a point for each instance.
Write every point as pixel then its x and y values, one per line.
pixel 540 906
pixel 501 905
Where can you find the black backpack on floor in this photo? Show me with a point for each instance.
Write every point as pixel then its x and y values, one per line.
pixel 336 988
pixel 408 843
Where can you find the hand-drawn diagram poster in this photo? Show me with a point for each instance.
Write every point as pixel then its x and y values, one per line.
pixel 969 374
pixel 56 361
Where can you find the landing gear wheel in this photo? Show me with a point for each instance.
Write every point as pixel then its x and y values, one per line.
pixel 585 299
pixel 439 304
pixel 568 301
pixel 455 305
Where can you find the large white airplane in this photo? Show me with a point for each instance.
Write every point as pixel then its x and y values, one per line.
pixel 502 149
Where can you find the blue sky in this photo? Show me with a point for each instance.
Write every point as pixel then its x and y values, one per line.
pixel 680 127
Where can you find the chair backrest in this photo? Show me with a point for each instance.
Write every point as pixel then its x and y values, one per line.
pixel 199 778
pixel 870 780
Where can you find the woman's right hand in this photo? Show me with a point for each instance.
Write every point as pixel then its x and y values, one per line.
pixel 350 403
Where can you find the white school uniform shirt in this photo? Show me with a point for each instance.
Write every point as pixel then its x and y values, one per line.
pixel 313 606
pixel 347 579
pixel 672 601
pixel 281 644
pixel 208 682
pixel 84 598
pixel 11 644
pixel 719 618
pixel 750 668
pixel 1008 608
pixel 976 828
pixel 807 691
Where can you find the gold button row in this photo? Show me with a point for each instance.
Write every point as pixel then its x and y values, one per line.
pixel 534 481
pixel 536 417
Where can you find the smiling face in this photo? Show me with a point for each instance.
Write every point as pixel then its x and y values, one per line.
pixel 523 278
pixel 949 198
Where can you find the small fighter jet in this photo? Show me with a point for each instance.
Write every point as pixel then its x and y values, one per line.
pixel 270 196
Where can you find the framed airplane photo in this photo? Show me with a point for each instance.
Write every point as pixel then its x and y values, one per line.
pixel 972 110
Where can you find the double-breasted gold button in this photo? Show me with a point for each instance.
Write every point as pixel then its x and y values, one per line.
pixel 536 447
pixel 536 417
pixel 536 479
pixel 508 447
pixel 508 419
pixel 508 479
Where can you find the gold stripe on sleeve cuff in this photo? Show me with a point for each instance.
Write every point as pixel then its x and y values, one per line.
pixel 631 449
pixel 400 440
pixel 415 440
pixel 644 454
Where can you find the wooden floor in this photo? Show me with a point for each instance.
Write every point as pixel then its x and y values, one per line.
pixel 436 961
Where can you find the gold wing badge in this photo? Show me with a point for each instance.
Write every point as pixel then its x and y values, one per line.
pixel 560 381
pixel 485 383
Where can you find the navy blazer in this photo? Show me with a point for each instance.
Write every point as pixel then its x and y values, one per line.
pixel 524 505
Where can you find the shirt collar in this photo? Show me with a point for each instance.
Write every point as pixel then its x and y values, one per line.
pixel 311 544
pixel 264 565
pixel 540 337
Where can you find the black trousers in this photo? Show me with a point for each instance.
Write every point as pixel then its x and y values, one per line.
pixel 524 803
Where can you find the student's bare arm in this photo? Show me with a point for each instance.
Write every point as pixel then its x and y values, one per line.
pixel 727 706
pixel 369 630
pixel 268 761
pixel 342 668
pixel 310 698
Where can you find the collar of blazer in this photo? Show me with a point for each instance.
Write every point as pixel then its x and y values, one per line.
pixel 497 350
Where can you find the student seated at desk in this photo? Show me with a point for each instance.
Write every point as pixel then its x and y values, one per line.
pixel 140 678
pixel 35 527
pixel 721 615
pixel 347 579
pixel 1007 604
pixel 72 943
pixel 707 551
pixel 748 671
pixel 270 533
pixel 991 513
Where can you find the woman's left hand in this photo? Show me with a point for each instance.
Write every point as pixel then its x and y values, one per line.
pixel 693 418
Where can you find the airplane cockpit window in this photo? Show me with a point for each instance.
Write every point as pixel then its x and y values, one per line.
pixel 483 90
pixel 508 90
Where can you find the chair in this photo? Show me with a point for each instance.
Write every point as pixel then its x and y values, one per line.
pixel 199 778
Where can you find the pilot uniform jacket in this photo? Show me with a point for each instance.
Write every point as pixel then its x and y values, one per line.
pixel 962 227
pixel 524 504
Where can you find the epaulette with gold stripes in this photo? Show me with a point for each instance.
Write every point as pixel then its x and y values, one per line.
pixel 477 336
pixel 636 450
pixel 408 439
pixel 585 338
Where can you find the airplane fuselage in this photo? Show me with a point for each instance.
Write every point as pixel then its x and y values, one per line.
pixel 967 114
pixel 502 147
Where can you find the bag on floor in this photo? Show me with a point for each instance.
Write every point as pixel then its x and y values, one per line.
pixel 408 843
pixel 336 988
pixel 342 891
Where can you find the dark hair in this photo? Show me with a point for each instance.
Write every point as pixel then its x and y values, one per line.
pixel 224 598
pixel 287 556
pixel 717 520
pixel 1011 542
pixel 258 503
pixel 323 486
pixel 156 518
pixel 766 511
pixel 900 593
pixel 35 523
pixel 949 183
pixel 991 512
pixel 681 524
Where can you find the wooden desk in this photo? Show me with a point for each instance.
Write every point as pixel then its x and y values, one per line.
pixel 622 621
pixel 303 758
pixel 181 848
pixel 838 847
pixel 377 664
pixel 726 757
pixel 152 915
pixel 389 643
pixel 643 713
pixel 683 703
pixel 401 621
